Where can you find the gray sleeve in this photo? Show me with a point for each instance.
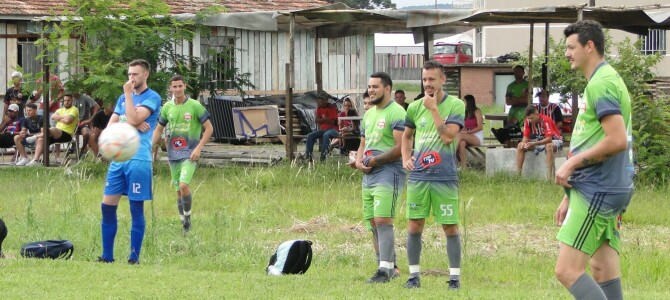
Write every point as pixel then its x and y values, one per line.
pixel 607 106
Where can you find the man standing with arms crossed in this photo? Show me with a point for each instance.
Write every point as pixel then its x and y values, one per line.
pixel 432 124
pixel 185 118
pixel 598 175
pixel 139 106
pixel 378 157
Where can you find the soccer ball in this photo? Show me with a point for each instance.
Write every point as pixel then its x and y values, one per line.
pixel 119 142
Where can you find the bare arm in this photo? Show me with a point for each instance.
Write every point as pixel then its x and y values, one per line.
pixel 614 142
pixel 391 155
pixel 203 140
pixel 406 148
pixel 157 134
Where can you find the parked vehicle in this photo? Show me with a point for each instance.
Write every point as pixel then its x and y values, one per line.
pixel 452 53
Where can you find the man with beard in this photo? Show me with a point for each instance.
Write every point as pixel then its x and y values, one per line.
pixel 139 106
pixel 432 126
pixel 66 119
pixel 31 128
pixel 378 157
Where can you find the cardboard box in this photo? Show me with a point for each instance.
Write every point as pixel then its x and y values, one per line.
pixel 256 121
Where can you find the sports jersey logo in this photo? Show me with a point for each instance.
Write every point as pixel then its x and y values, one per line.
pixel 430 159
pixel 179 143
pixel 367 153
pixel 187 116
pixel 381 123
pixel 422 122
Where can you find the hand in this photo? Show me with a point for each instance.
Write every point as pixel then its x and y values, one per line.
pixel 562 211
pixel 362 167
pixel 144 127
pixel 409 164
pixel 22 134
pixel 430 102
pixel 195 155
pixel 6 119
pixel 563 174
pixel 129 86
pixel 527 146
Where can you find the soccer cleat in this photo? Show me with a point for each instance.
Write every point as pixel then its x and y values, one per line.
pixel 454 285
pixel 186 225
pixel 23 161
pixel 395 273
pixel 379 277
pixel 412 283
pixel 133 262
pixel 102 260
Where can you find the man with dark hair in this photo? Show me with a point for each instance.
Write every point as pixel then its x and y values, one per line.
pixel 87 109
pixel 399 98
pixel 66 119
pixel 139 106
pixel 188 130
pixel 378 157
pixel 517 97
pixel 539 134
pixel 326 122
pixel 31 129
pixel 431 126
pixel 548 109
pixel 598 175
pixel 16 95
pixel 10 126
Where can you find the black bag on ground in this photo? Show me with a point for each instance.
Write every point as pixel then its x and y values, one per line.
pixel 3 235
pixel 291 257
pixel 48 249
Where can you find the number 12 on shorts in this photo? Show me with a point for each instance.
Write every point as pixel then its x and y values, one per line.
pixel 447 210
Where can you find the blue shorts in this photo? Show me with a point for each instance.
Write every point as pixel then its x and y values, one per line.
pixel 131 178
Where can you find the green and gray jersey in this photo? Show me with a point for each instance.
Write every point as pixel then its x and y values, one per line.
pixel 605 94
pixel 434 161
pixel 515 89
pixel 183 123
pixel 377 129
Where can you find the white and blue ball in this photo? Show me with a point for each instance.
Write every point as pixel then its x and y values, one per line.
pixel 119 142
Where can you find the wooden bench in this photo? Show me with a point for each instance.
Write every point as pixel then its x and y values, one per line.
pixel 477 152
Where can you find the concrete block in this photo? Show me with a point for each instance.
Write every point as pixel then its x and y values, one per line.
pixel 504 160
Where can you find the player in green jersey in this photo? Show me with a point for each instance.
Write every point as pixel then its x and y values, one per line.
pixel 378 157
pixel 185 119
pixel 431 126
pixel 598 175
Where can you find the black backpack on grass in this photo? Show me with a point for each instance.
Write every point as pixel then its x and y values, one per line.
pixel 48 249
pixel 3 235
pixel 291 257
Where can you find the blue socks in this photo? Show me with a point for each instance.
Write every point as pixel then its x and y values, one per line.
pixel 137 229
pixel 109 226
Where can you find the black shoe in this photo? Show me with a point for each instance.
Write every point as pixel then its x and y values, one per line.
pixel 379 277
pixel 412 283
pixel 102 260
pixel 186 225
pixel 454 284
pixel 133 262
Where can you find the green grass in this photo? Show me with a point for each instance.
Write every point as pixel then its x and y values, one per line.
pixel 241 214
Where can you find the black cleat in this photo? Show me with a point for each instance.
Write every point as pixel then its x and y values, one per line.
pixel 133 262
pixel 454 285
pixel 102 260
pixel 186 225
pixel 379 277
pixel 412 283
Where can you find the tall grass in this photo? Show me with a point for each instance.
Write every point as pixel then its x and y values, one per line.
pixel 240 214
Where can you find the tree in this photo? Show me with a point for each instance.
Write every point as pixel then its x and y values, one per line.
pixel 110 34
pixel 366 4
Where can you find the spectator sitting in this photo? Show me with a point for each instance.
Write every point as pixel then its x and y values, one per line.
pixel 539 134
pixel 87 108
pixel 346 127
pixel 326 120
pixel 10 126
pixel 549 109
pixel 399 97
pixel 66 122
pixel 56 92
pixel 98 124
pixel 472 134
pixel 31 129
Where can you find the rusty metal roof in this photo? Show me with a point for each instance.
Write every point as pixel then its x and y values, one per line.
pixel 39 8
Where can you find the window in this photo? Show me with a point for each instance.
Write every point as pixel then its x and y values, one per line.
pixel 220 58
pixel 653 42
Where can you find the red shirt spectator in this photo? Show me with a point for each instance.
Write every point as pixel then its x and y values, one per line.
pixel 329 116
pixel 545 128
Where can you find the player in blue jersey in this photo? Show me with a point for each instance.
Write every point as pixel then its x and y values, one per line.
pixel 139 106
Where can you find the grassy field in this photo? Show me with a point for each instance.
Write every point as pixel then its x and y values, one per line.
pixel 241 214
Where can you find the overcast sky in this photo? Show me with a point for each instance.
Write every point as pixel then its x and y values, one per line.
pixel 402 3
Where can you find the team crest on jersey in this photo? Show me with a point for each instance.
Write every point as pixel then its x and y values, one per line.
pixel 187 116
pixel 179 143
pixel 422 122
pixel 381 123
pixel 430 159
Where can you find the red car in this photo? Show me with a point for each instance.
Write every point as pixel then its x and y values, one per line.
pixel 449 53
